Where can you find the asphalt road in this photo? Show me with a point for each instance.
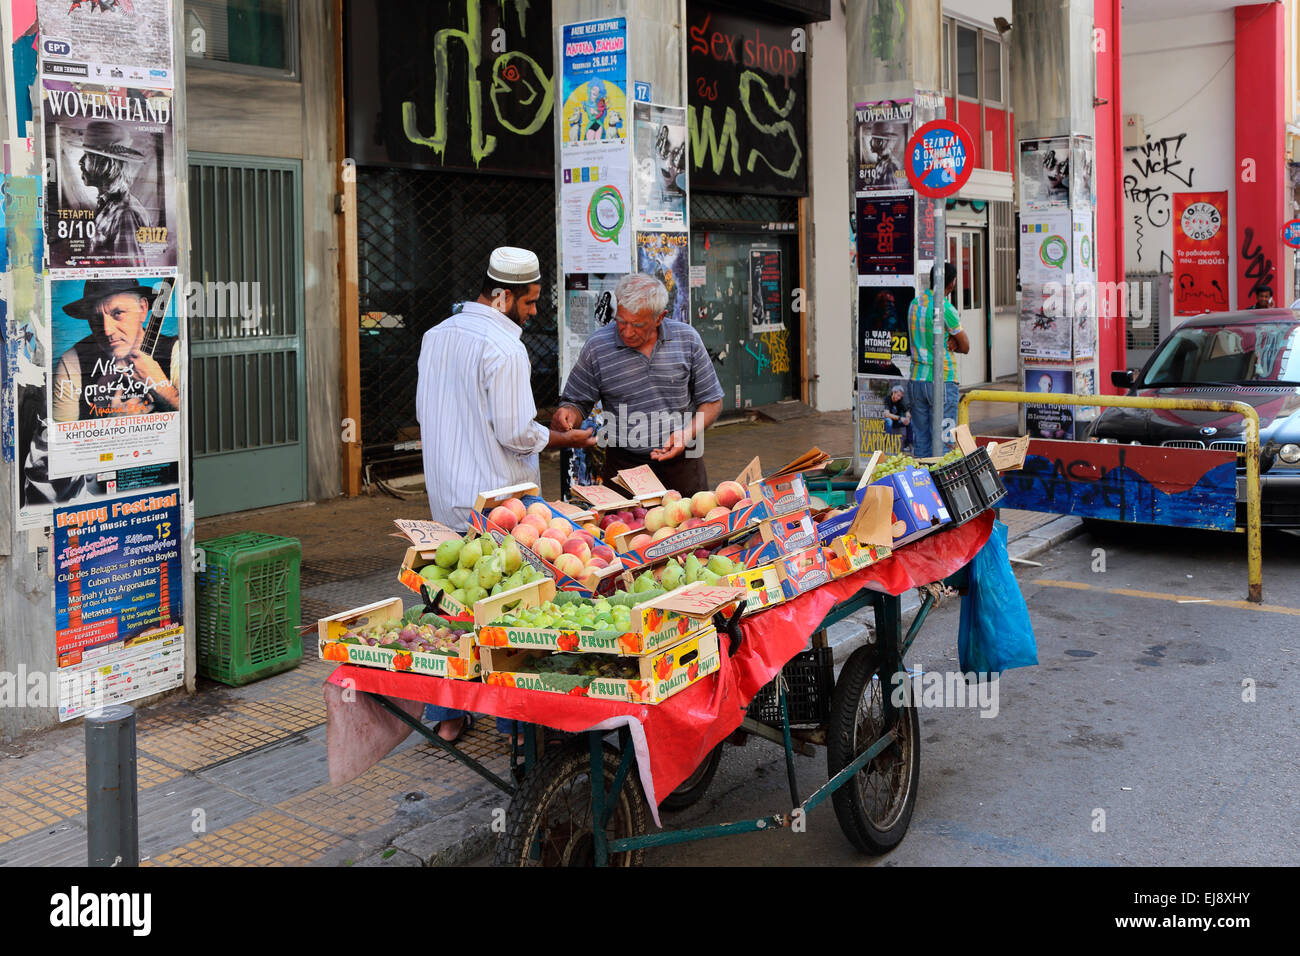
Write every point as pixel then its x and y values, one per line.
pixel 1129 744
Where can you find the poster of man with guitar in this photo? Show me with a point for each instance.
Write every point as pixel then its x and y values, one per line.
pixel 115 392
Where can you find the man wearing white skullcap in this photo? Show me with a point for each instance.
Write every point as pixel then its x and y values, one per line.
pixel 474 402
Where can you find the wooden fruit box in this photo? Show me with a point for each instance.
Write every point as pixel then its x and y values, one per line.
pixel 463 665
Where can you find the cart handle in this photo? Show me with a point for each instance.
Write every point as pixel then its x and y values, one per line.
pixel 730 627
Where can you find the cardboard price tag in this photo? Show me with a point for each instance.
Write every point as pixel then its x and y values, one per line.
pixel 872 462
pixel 641 482
pixel 875 517
pixel 573 513
pixel 424 534
pixel 699 598
pixel 753 472
pixel 600 497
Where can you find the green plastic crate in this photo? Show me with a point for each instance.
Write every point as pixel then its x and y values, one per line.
pixel 248 607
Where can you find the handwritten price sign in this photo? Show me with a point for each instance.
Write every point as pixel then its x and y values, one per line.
pixel 598 496
pixel 425 534
pixel 641 481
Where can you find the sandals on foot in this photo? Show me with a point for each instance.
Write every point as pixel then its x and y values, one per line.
pixel 467 724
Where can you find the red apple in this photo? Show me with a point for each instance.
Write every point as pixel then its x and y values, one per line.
pixel 503 518
pixel 638 513
pixel 609 519
pixel 730 492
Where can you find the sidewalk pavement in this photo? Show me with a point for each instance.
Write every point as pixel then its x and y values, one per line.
pixel 239 777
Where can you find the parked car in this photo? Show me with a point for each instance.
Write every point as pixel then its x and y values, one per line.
pixel 1252 357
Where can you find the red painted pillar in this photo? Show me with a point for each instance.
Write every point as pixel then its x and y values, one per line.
pixel 1108 133
pixel 1261 173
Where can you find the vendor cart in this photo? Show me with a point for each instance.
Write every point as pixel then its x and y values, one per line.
pixel 587 799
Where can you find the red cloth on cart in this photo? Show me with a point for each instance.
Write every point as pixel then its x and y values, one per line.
pixel 671 738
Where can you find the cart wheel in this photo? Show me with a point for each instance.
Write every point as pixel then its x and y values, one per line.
pixel 874 807
pixel 694 786
pixel 549 819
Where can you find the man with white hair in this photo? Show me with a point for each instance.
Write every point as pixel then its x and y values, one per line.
pixel 656 384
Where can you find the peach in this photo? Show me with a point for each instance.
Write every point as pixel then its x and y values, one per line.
pixel 569 564
pixel 729 492
pixel 595 561
pixel 517 506
pixel 655 519
pixel 503 517
pixel 604 552
pixel 591 528
pixel 640 541
pixel 536 522
pixel 662 533
pixel 577 547
pixel 590 578
pixel 742 504
pixel 548 549
pixel 671 495
pixel 679 511
pixel 541 509
pixel 615 529
pixel 702 502
pixel 559 537
pixel 526 535
pixel 718 512
pixel 691 523
pixel 560 524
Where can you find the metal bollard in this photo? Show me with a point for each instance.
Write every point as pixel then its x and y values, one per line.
pixel 112 832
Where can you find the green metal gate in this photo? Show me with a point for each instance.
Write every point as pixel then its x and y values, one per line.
pixel 245 320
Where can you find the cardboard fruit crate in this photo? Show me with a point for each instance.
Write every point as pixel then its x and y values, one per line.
pixel 463 665
pixel 659 675
pixel 785 495
pixel 762 587
pixel 802 572
pixel 917 505
pixel 849 555
pixel 654 624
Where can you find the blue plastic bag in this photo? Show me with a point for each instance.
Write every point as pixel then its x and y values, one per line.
pixel 995 633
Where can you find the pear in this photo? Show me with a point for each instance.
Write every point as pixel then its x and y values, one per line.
pixel 474 594
pixel 458 596
pixel 710 577
pixel 512 557
pixel 487 543
pixel 489 572
pixel 448 553
pixel 693 569
pixel 721 565
pixel 459 578
pixel 673 576
pixel 469 555
pixel 433 572
pixel 646 582
pixel 531 574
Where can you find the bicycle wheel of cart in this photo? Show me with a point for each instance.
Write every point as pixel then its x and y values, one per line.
pixel 549 820
pixel 875 807
pixel 694 786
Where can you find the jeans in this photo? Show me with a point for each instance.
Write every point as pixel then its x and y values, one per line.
pixel 919 394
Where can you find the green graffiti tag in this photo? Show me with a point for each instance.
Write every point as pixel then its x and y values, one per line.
pixel 748 79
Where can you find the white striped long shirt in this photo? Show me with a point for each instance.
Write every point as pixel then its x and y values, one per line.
pixel 475 406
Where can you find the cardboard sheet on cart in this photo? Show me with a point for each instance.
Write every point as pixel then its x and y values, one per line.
pixel 671 739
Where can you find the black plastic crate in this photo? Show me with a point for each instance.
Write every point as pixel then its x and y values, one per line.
pixel 985 478
pixel 958 490
pixel 810 680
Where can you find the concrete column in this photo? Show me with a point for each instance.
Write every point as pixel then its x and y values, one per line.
pixel 1053 86
pixel 1260 146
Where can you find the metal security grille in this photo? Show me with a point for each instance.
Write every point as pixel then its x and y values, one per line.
pixel 245 321
pixel 719 208
pixel 423 242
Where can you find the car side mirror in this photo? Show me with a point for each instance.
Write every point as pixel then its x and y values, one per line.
pixel 1123 378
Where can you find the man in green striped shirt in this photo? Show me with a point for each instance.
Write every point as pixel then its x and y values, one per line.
pixel 920 326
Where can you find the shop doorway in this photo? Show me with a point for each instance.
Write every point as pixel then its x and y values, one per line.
pixel 246 361
pixel 743 280
pixel 968 251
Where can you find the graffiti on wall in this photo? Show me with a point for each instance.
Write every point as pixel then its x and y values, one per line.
pixel 777 343
pixel 1259 268
pixel 1157 171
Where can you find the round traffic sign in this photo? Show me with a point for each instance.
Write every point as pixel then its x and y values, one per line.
pixel 1291 233
pixel 940 158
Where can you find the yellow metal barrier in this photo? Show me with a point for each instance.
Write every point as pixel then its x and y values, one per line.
pixel 1254 552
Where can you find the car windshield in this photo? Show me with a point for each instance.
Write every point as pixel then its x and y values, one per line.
pixel 1217 354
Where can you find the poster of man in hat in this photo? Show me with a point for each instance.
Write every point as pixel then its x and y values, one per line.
pixel 115 394
pixel 109 157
